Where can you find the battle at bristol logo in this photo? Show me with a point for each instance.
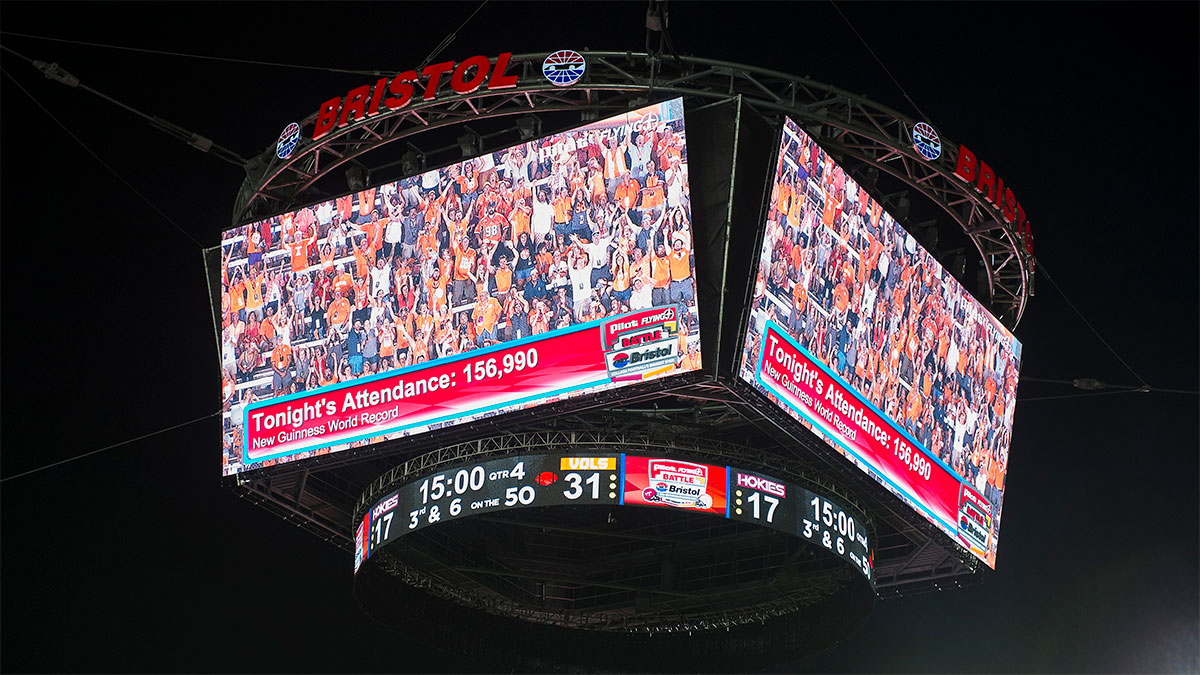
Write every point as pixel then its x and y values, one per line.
pixel 676 483
pixel 564 67
pixel 926 141
pixel 641 344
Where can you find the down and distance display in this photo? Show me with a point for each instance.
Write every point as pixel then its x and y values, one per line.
pixel 520 481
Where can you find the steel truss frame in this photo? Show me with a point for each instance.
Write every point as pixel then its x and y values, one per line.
pixel 585 440
pixel 849 125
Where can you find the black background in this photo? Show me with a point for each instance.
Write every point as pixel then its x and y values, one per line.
pixel 135 559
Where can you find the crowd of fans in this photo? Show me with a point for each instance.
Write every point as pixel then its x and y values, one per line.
pixel 855 289
pixel 550 233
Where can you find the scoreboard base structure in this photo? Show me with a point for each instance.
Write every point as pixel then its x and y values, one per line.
pixel 581 562
pixel 774 601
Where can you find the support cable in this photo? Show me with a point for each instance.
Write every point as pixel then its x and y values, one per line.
pixel 197 56
pixel 880 61
pixel 53 72
pixel 448 39
pixel 102 162
pixel 1087 323
pixel 110 447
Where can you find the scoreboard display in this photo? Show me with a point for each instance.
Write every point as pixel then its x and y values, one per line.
pixel 859 333
pixel 524 481
pixel 552 269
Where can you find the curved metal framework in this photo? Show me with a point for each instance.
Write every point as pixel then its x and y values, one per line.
pixel 700 420
pixel 847 124
pixel 606 577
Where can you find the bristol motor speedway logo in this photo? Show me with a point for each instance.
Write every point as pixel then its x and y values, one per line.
pixel 926 141
pixel 564 67
pixel 288 139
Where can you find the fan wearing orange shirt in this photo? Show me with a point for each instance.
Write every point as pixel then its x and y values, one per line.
pixel 237 296
pixel 464 272
pixel 622 281
pixel 373 228
pixel 914 406
pixel 362 298
pixel 660 270
pixel 614 164
pixel 254 293
pixel 298 247
pixel 418 345
pixel 268 325
pixel 627 192
pixel 281 364
pixel 653 197
pixel 343 282
pixel 562 210
pixel 387 345
pixel 492 225
pixel 841 297
pixel 668 148
pixel 468 182
pixel 366 204
pixel 539 318
pixel 501 279
pixel 783 193
pixel 345 207
pixel 364 258
pixel 832 206
pixel 596 180
pixel 681 289
pixel 799 306
pixel 521 212
pixel 485 315
pixel 796 209
pixel 339 312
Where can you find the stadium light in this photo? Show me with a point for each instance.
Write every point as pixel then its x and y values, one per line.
pixel 470 143
pixel 413 160
pixel 357 178
pixel 529 127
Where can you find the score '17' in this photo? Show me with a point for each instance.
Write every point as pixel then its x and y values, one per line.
pixel 772 502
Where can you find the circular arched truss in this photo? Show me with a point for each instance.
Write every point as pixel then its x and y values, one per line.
pixel 849 125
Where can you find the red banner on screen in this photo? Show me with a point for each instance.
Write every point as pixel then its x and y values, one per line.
pixel 835 410
pixel 670 482
pixel 442 391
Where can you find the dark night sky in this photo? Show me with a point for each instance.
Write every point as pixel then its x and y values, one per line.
pixel 136 559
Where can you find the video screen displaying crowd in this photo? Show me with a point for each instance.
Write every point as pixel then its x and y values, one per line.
pixel 550 233
pixel 855 289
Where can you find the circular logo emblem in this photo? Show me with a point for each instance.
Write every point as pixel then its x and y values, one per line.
pixel 650 495
pixel 288 139
pixel 926 141
pixel 620 360
pixel 564 67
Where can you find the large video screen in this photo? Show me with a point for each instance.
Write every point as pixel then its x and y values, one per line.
pixel 554 268
pixel 858 332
